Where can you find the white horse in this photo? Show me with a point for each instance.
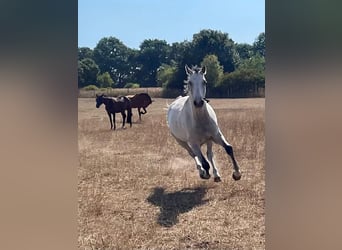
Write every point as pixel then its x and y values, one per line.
pixel 192 121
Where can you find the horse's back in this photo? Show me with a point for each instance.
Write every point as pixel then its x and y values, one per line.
pixel 141 100
pixel 118 104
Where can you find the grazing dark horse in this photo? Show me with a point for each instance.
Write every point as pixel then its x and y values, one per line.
pixel 116 105
pixel 140 101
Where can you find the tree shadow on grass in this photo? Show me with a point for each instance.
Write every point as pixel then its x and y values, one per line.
pixel 173 204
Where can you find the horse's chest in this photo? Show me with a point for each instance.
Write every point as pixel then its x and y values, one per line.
pixel 203 132
pixel 118 107
pixel 201 128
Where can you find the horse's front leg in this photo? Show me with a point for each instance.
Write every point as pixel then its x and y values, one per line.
pixel 210 155
pixel 114 121
pixel 201 163
pixel 110 119
pixel 145 111
pixel 123 118
pixel 219 139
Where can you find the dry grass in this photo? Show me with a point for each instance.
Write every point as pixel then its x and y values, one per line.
pixel 138 189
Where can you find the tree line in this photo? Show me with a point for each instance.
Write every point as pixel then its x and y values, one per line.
pixel 233 69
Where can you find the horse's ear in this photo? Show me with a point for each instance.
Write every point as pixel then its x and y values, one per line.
pixel 188 70
pixel 204 70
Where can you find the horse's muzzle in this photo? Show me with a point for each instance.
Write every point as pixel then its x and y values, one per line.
pixel 199 104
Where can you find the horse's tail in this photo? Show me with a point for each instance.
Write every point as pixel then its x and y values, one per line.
pixel 129 111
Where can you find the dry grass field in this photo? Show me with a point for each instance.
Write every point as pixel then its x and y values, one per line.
pixel 138 189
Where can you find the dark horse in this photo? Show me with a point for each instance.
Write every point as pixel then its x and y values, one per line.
pixel 140 101
pixel 116 105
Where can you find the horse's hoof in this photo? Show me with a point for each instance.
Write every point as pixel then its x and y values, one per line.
pixel 206 177
pixel 236 176
pixel 217 179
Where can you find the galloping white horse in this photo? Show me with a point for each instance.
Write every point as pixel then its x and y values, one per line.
pixel 192 121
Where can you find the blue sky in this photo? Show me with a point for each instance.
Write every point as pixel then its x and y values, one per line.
pixel 133 21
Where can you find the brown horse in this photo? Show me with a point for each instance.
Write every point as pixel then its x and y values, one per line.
pixel 140 101
pixel 116 105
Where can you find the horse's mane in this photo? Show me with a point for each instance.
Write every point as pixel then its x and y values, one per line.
pixel 185 89
pixel 196 68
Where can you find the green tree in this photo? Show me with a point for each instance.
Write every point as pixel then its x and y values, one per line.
pixel 181 54
pixel 214 71
pixel 152 54
pixel 255 62
pixel 244 50
pixel 259 45
pixel 87 72
pixel 104 80
pixel 112 56
pixel 134 66
pixel 81 76
pixel 242 83
pixel 206 42
pixel 85 52
pixel 217 43
pixel 165 73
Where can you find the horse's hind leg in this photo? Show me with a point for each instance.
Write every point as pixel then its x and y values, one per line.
pixel 139 112
pixel 219 139
pixel 210 155
pixel 123 118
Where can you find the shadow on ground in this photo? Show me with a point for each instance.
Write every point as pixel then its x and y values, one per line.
pixel 173 204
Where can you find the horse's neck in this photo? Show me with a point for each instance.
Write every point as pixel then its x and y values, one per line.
pixel 107 102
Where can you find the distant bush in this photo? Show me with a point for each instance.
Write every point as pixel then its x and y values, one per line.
pixel 241 83
pixel 109 89
pixel 171 93
pixel 91 87
pixel 132 85
pixel 104 80
pixel 153 92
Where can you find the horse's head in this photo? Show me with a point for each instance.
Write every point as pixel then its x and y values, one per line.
pixel 99 100
pixel 196 84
